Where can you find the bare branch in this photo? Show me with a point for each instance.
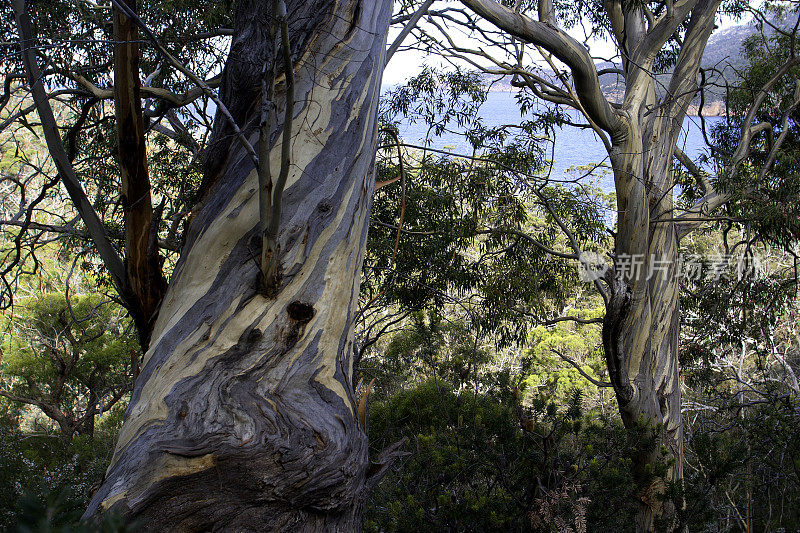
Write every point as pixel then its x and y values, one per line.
pixel 582 372
pixel 567 50
pixel 530 239
pixel 192 76
pixel 174 100
pixel 144 278
pixel 714 200
pixel 694 170
pixel 271 212
pixel 412 23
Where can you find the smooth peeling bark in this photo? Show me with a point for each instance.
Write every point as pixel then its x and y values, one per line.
pixel 641 328
pixel 243 417
pixel 641 331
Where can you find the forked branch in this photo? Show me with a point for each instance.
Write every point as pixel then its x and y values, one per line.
pixel 567 50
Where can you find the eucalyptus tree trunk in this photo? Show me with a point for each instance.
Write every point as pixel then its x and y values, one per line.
pixel 641 326
pixel 244 416
pixel 641 329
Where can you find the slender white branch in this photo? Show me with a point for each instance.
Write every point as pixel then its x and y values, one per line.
pixel 406 31
pixel 569 51
pixel 694 170
pixel 714 200
pixel 582 372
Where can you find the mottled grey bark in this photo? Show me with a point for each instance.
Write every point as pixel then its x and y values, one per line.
pixel 641 326
pixel 244 416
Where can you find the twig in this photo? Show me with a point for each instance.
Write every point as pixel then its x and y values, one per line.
pixel 583 373
pixel 412 23
pixel 189 74
pixel 270 226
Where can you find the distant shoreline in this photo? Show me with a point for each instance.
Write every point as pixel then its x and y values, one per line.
pixel 713 109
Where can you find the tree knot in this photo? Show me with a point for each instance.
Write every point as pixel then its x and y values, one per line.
pixel 300 312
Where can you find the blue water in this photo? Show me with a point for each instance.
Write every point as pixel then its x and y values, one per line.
pixel 574 151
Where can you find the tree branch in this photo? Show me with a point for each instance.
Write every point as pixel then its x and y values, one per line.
pixel 522 234
pixel 412 23
pixel 567 50
pixel 108 254
pixel 582 372
pixel 271 212
pixel 683 82
pixel 144 278
pixel 694 170
pixel 714 200
pixel 192 76
pixel 174 100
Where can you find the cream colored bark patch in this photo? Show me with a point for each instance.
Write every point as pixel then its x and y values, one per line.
pixel 166 466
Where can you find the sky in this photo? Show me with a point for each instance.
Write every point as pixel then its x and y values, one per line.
pixel 407 63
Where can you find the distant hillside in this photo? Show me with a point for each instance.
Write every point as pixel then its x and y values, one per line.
pixel 725 46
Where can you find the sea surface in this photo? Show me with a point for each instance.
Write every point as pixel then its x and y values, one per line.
pixel 572 152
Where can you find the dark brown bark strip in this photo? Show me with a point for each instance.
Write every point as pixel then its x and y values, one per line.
pixel 145 281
